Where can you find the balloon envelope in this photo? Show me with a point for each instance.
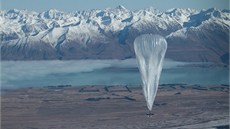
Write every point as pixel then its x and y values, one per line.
pixel 150 52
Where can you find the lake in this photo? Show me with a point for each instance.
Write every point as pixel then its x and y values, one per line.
pixel 16 74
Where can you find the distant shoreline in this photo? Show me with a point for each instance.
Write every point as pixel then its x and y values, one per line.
pixel 99 86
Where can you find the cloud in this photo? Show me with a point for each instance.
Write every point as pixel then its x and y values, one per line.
pixel 43 73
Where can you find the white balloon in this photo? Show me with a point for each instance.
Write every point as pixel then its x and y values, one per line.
pixel 150 52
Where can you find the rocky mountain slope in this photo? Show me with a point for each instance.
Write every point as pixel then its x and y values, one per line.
pixel 192 35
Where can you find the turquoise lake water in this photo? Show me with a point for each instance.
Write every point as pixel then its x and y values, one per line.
pixel 16 74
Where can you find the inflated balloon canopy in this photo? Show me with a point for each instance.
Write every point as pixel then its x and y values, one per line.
pixel 150 52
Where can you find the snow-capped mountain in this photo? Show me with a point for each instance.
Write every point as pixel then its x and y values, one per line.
pixel 104 34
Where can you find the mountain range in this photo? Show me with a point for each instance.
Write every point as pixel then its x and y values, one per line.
pixel 192 35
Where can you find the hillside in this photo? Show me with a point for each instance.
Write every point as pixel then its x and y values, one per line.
pixel 192 35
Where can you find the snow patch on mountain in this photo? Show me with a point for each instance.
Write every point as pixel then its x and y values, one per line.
pixel 103 31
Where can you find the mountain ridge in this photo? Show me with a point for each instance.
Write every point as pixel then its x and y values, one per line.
pixel 109 33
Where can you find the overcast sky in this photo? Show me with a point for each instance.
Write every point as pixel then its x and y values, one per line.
pixel 75 5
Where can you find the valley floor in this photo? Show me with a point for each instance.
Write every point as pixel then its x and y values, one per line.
pixel 115 107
